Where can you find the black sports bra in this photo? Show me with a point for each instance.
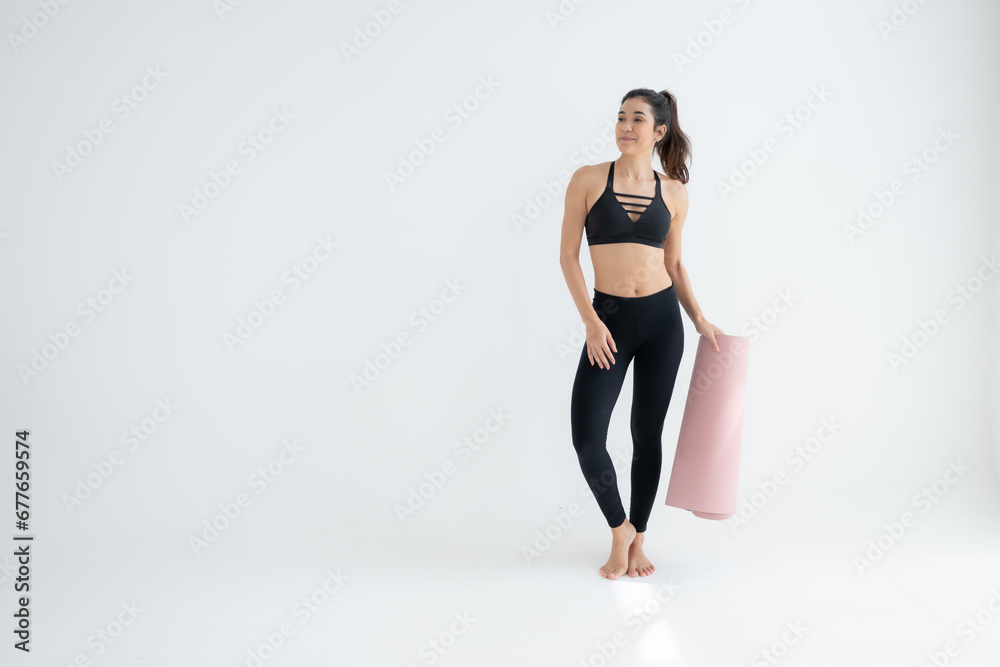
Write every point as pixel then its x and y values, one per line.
pixel 608 220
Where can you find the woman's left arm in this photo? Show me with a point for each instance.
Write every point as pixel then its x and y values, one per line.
pixel 675 269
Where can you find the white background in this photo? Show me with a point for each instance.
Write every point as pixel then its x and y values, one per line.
pixel 483 210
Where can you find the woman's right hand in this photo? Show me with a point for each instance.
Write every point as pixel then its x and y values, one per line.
pixel 600 344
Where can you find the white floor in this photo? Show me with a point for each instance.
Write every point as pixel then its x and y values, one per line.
pixel 427 601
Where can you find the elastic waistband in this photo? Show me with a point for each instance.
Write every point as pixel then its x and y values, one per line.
pixel 608 301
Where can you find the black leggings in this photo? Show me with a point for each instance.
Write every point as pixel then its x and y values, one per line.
pixel 648 329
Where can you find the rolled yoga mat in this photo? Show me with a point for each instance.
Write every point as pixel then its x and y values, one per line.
pixel 706 469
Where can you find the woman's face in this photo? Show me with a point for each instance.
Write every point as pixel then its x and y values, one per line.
pixel 634 131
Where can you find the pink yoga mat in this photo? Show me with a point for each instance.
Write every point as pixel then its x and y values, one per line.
pixel 706 468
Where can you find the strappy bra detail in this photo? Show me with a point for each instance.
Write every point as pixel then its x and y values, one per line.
pixel 608 220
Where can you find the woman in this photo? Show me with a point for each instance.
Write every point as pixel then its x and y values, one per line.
pixel 633 226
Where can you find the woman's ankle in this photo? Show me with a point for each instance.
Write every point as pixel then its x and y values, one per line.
pixel 624 528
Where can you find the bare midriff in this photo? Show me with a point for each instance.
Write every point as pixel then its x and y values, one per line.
pixel 629 269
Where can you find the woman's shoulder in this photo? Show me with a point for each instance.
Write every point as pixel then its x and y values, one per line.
pixel 674 194
pixel 591 175
pixel 670 182
pixel 591 169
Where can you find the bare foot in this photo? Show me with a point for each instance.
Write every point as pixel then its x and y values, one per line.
pixel 638 564
pixel 621 539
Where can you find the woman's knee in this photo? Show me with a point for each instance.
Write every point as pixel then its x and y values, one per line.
pixel 589 449
pixel 647 435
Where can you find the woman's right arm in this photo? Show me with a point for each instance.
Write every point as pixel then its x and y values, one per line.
pixel 600 344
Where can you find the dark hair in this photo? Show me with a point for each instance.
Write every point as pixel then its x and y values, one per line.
pixel 674 148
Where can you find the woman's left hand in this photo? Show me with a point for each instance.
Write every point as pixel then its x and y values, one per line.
pixel 708 330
